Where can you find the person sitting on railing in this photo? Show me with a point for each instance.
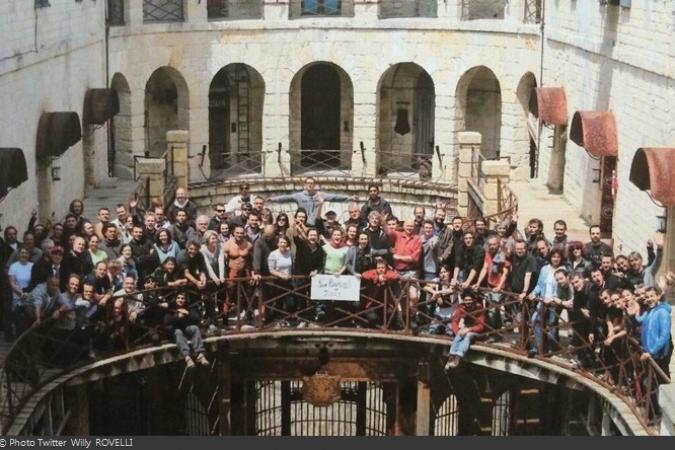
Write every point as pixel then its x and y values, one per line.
pixel 655 335
pixel 547 293
pixel 181 230
pixel 468 261
pixel 444 300
pixel 468 322
pixel 493 275
pixel 183 322
pixel 182 201
pixel 168 274
pixel 309 199
pixel 359 256
pixel 378 292
pixel 375 202
pixel 244 196
pixel 595 249
pixel 449 241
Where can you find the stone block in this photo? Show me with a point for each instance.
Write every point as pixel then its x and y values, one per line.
pixel 177 136
pixel 469 138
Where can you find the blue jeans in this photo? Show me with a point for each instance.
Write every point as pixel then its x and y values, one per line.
pixel 550 318
pixel 461 344
pixel 194 335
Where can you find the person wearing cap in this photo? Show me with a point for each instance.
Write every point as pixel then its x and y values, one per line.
pixel 468 322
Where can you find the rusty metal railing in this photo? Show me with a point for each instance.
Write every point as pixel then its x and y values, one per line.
pixel 533 327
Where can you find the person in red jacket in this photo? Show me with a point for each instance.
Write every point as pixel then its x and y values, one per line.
pixel 467 323
pixel 378 281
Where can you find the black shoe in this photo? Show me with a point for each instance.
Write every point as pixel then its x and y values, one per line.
pixel 531 353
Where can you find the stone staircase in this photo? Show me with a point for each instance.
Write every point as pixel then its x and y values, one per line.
pixel 108 193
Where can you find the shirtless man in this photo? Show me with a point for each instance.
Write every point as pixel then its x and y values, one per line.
pixel 237 251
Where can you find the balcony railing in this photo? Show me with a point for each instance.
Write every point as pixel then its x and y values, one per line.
pixel 234 9
pixel 483 9
pixel 163 11
pixel 535 327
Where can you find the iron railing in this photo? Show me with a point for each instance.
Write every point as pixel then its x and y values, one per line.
pixel 533 11
pixel 234 9
pixel 226 164
pixel 482 9
pixel 333 162
pixel 406 164
pixel 407 8
pixel 44 352
pixel 321 7
pixel 163 10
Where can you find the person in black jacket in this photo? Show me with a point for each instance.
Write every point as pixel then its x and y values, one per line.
pixel 469 261
pixel 183 322
pixel 76 261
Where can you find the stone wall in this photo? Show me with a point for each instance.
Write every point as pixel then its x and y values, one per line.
pixel 618 59
pixel 49 57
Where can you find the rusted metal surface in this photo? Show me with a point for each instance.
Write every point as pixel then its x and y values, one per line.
pixel 100 105
pixel 57 131
pixel 596 132
pixel 652 170
pixel 549 104
pixel 13 170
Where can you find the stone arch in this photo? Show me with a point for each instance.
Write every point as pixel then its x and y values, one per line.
pixel 236 98
pixel 120 151
pixel 479 107
pixel 406 102
pixel 446 420
pixel 321 118
pixel 166 108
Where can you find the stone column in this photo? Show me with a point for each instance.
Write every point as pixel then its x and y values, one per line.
pixel 365 10
pixel 275 9
pixel 422 417
pixel 496 176
pixel 135 13
pixel 153 170
pixel 515 10
pixel 469 144
pixel 365 132
pixel 177 146
pixel 449 9
pixel 195 12
pixel 556 165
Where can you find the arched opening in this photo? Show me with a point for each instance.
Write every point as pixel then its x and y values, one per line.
pixel 480 108
pixel 527 133
pixel 322 109
pixel 446 422
pixel 120 152
pixel 501 415
pixel 406 104
pixel 236 97
pixel 166 108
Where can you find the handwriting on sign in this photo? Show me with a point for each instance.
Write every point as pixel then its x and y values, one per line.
pixel 342 288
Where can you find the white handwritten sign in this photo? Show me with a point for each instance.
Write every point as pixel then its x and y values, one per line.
pixel 344 288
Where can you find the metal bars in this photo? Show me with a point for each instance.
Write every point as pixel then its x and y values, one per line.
pixel 163 11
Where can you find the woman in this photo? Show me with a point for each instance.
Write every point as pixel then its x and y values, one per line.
pixel 97 255
pixel 336 254
pixel 76 208
pixel 359 257
pixel 87 229
pixel 214 257
pixel 223 233
pixel 19 277
pixel 546 291
pixel 281 224
pixel 167 275
pixel 128 263
pixel 115 275
pixel 165 246
pixel 266 217
pixel 125 231
pixel 351 239
pixel 280 263
pixel 576 263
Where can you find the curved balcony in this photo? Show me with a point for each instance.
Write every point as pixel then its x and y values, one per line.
pixel 388 332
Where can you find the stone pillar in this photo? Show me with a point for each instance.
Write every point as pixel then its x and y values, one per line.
pixel 195 12
pixel 515 10
pixel 469 144
pixel 365 131
pixel 496 177
pixel 556 165
pixel 135 14
pixel 153 170
pixel 275 9
pixel 449 9
pixel 177 142
pixel 365 10
pixel 422 415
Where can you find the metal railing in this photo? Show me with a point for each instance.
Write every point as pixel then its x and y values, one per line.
pixel 234 9
pixel 533 11
pixel 482 9
pixel 406 164
pixel 235 163
pixel 163 11
pixel 535 327
pixel 321 7
pixel 334 162
pixel 389 9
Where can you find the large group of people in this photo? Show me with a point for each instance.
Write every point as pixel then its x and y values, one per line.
pixel 169 271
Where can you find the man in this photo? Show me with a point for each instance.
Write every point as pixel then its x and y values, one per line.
pixel 201 227
pixel 29 244
pixel 310 198
pixel 468 322
pixel 150 226
pixel 655 336
pixel 77 261
pixel 103 216
pixel 101 283
pixel 523 270
pixel 122 215
pixel 418 213
pixel 182 202
pixel 560 235
pixel 542 250
pixel 258 204
pixel 309 257
pixel 580 316
pixel 242 218
pixel 43 268
pixel 480 228
pixel 468 261
pixel 181 230
pixel 439 221
pixel 430 265
pixel 217 219
pixel 192 265
pixel 534 232
pixel 596 249
pixel 252 228
pixel 391 224
pixel 375 202
pixel 184 322
pixel 612 280
pixel 234 205
pixel 262 248
pixel 44 300
pixel 111 243
pixel 131 298
pixel 407 253
pixel 376 282
pixel 379 242
pixel 493 275
pixel 639 274
pixel 329 224
pixel 143 251
pixel 355 217
pixel 161 221
pixel 449 241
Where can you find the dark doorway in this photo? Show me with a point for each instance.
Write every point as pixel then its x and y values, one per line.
pixel 219 119
pixel 320 113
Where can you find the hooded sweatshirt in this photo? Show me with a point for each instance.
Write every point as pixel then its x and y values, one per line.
pixel 655 335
